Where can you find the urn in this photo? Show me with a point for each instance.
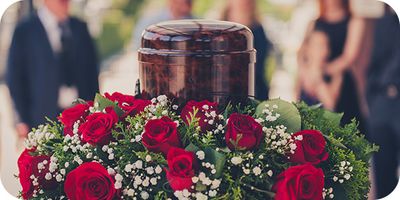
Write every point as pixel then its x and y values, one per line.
pixel 197 60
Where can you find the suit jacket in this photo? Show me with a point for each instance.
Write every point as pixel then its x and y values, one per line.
pixel 384 70
pixel 34 73
pixel 384 67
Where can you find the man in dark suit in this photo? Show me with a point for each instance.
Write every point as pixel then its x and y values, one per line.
pixel 383 87
pixel 52 61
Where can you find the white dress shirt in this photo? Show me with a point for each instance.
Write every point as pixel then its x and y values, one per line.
pixel 49 21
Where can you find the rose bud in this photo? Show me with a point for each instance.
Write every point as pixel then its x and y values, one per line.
pixel 69 116
pixel 243 132
pixel 89 181
pixel 299 182
pixel 97 128
pixel 129 104
pixel 181 166
pixel 28 166
pixel 310 147
pixel 160 135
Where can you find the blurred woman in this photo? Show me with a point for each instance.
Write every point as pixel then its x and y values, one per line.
pixel 344 32
pixel 317 90
pixel 244 12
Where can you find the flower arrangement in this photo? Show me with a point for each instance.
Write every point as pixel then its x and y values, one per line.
pixel 122 147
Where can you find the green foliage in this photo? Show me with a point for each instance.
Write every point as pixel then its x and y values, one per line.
pixel 349 135
pixel 289 116
pixel 246 108
pixel 344 144
pixel 211 156
pixel 104 103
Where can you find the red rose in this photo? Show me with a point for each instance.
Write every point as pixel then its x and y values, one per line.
pixel 129 104
pixel 310 147
pixel 160 135
pixel 203 107
pixel 243 132
pixel 69 116
pixel 299 182
pixel 97 128
pixel 28 166
pixel 181 166
pixel 89 181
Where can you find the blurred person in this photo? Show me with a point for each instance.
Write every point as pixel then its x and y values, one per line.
pixel 175 10
pixel 51 62
pixel 344 32
pixel 316 90
pixel 245 12
pixel 383 97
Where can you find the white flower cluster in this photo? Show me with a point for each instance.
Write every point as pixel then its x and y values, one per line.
pixel 138 138
pixel 327 193
pixel 75 127
pixel 244 161
pixel 109 151
pixel 186 195
pixel 53 167
pixel 143 175
pixel 94 108
pixel 344 169
pixel 74 144
pixel 279 140
pixel 38 137
pixel 268 113
pixel 40 191
pixel 50 166
pixel 159 106
pixel 212 191
pixel 212 118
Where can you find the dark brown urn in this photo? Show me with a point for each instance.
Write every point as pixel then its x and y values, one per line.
pixel 197 60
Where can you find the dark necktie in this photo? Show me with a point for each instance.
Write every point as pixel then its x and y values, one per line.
pixel 65 56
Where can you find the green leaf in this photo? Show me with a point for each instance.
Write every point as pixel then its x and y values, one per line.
pixel 333 117
pixel 289 115
pixel 212 156
pixel 104 103
pixel 193 148
pixel 200 187
pixel 216 158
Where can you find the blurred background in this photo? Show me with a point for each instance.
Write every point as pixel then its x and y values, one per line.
pixel 115 26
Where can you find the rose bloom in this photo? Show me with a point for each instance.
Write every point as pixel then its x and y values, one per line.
pixel 129 104
pixel 310 149
pixel 89 181
pixel 243 132
pixel 299 182
pixel 189 108
pixel 69 116
pixel 97 128
pixel 181 166
pixel 27 166
pixel 160 135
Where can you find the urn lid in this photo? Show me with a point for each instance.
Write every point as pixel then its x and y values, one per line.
pixel 196 36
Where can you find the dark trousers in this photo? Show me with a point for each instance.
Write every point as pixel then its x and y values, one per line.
pixel 384 130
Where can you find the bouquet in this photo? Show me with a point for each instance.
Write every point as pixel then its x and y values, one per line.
pixel 122 147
